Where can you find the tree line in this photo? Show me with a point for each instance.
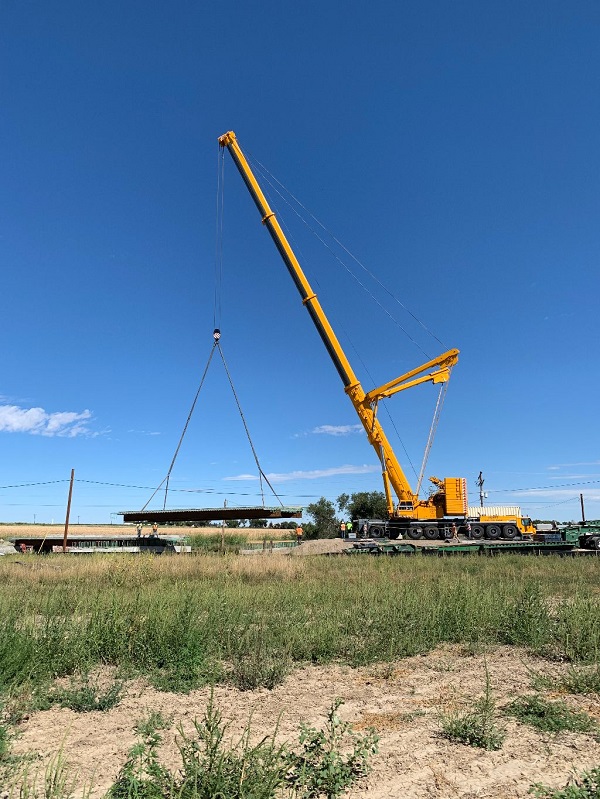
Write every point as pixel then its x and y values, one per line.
pixel 325 519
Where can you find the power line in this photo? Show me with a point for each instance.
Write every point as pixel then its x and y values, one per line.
pixel 543 488
pixel 27 485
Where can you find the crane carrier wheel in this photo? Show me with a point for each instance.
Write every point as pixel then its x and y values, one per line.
pixel 492 531
pixel 509 531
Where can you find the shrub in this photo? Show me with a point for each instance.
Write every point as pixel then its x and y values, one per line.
pixel 209 769
pixel 213 769
pixel 254 665
pixel 142 776
pixel 319 768
pixel 477 727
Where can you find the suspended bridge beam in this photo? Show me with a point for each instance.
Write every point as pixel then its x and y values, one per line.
pixel 209 514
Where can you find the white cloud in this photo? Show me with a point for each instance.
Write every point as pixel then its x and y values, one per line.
pixel 145 432
pixel 314 474
pixel 570 465
pixel 337 429
pixel 37 421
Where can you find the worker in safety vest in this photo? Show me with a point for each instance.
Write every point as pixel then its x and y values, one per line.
pixel 343 529
pixel 299 532
pixel 349 527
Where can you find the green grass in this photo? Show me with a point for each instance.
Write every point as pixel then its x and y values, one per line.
pixel 85 696
pixel 215 542
pixel 548 716
pixel 575 681
pixel 185 622
pixel 584 786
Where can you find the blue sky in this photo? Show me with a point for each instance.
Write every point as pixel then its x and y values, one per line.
pixel 451 146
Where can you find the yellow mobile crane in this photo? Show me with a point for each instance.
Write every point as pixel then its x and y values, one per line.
pixel 407 514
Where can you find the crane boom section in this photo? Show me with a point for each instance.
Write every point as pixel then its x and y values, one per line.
pixel 365 405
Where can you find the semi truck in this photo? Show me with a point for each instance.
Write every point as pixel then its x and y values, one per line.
pixel 409 515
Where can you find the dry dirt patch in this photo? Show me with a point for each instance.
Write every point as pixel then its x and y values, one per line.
pixel 403 701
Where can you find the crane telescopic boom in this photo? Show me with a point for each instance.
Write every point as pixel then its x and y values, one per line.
pixel 365 404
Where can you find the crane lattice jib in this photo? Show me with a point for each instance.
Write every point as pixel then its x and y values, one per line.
pixel 364 404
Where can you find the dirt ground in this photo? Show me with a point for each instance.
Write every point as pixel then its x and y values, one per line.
pixel 402 701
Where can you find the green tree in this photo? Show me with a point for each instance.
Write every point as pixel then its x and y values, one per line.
pixel 342 502
pixel 364 505
pixel 323 516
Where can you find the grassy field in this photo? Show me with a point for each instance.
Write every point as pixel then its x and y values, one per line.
pixel 185 622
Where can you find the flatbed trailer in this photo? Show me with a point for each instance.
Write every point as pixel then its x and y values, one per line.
pixel 583 539
pixel 464 548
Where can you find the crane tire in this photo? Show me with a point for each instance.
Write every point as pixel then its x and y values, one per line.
pixel 477 531
pixel 431 533
pixel 492 532
pixel 375 531
pixel 509 531
pixel 596 543
pixel 414 533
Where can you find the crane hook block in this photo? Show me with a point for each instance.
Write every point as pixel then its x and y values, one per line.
pixel 216 334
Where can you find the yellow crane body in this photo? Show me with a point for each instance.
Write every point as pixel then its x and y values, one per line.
pixel 404 506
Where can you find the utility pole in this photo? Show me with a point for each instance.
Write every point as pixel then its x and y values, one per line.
pixel 223 530
pixel 68 510
pixel 480 481
pixel 582 509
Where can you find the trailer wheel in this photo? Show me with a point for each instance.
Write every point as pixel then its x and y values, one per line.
pixel 431 533
pixel 477 531
pixel 509 531
pixel 375 531
pixel 596 543
pixel 492 531
pixel 414 533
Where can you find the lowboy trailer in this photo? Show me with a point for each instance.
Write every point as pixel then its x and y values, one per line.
pixel 580 539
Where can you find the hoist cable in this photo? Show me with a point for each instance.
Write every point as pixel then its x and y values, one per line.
pixel 261 474
pixel 266 175
pixel 185 427
pixel 219 236
pixel 432 431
